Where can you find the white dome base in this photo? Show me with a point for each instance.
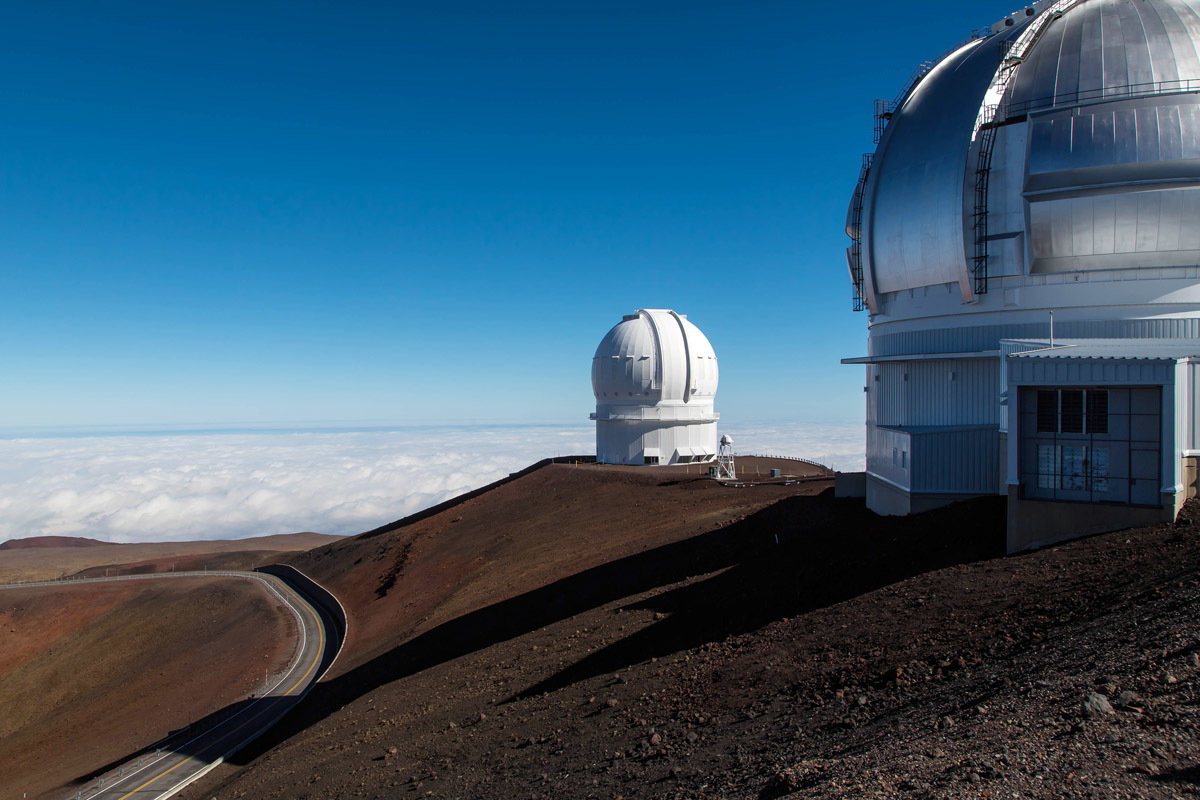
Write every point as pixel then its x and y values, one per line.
pixel 655 442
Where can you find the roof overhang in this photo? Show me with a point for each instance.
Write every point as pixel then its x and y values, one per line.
pixel 922 357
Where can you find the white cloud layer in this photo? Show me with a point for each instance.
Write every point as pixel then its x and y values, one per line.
pixel 175 487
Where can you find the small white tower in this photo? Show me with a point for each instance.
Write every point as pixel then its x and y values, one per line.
pixel 655 377
pixel 726 469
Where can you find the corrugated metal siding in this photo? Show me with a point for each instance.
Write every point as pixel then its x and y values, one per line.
pixel 958 461
pixel 987 337
pixel 872 393
pixel 882 443
pixel 1193 437
pixel 1030 371
pixel 943 392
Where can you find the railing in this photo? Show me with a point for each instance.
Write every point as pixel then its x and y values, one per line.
pixel 789 458
pixel 884 109
pixel 1009 109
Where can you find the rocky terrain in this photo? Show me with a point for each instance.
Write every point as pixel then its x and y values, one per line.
pixel 798 646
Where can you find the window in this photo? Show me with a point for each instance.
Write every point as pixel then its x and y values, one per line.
pixel 1073 468
pixel 1047 466
pixel 1072 411
pixel 1098 469
pixel 1070 416
pixel 1097 411
pixel 1047 411
pixel 650 460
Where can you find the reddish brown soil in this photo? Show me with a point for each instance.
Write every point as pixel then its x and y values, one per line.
pixel 48 563
pixel 612 637
pixel 51 541
pixel 200 562
pixel 94 672
pixel 557 521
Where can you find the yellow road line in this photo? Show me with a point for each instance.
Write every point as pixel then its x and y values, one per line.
pixel 320 645
pixel 156 777
pixel 316 661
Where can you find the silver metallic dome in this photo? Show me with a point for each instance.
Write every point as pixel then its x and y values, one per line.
pixel 1032 209
pixel 1074 133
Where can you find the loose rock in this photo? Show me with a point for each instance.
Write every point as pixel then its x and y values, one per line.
pixel 1096 705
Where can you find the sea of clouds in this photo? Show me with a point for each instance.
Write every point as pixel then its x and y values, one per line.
pixel 176 486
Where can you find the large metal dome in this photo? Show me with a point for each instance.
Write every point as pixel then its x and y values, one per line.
pixel 1037 185
pixel 1091 164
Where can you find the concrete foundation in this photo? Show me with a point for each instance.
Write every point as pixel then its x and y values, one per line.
pixel 889 501
pixel 1037 523
pixel 1190 470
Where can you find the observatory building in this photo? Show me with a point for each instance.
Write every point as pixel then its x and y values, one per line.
pixel 655 379
pixel 1026 241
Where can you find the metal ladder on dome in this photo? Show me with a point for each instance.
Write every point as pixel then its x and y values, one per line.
pixel 856 215
pixel 983 170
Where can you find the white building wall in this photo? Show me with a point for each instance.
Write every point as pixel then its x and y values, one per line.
pixel 1190 405
pixel 962 391
pixel 631 441
pixel 956 461
pixel 888 453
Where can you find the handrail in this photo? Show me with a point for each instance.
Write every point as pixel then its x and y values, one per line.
pixel 789 458
pixel 1147 89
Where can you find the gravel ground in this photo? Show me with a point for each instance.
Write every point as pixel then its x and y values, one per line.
pixel 838 654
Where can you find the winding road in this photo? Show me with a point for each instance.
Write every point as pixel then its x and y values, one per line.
pixel 186 756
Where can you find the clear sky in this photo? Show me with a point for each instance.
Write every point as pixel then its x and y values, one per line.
pixel 218 212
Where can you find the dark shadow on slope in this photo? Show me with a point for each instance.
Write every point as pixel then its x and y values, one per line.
pixel 800 570
pixel 827 550
pixel 1187 776
pixel 216 734
pixel 205 739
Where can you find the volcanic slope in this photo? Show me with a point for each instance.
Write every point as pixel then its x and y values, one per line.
pixel 93 672
pixel 555 520
pixel 52 557
pixel 808 648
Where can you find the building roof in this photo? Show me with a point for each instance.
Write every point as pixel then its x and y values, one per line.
pixel 1115 349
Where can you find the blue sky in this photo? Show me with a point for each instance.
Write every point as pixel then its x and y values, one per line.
pixel 375 211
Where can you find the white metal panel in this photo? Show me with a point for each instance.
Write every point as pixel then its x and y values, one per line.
pixel 956 461
pixel 939 392
pixel 1193 406
pixel 886 450
pixel 1027 371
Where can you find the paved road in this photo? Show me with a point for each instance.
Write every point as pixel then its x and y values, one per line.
pixel 185 758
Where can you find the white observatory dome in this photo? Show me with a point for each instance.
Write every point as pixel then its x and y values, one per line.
pixel 655 378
